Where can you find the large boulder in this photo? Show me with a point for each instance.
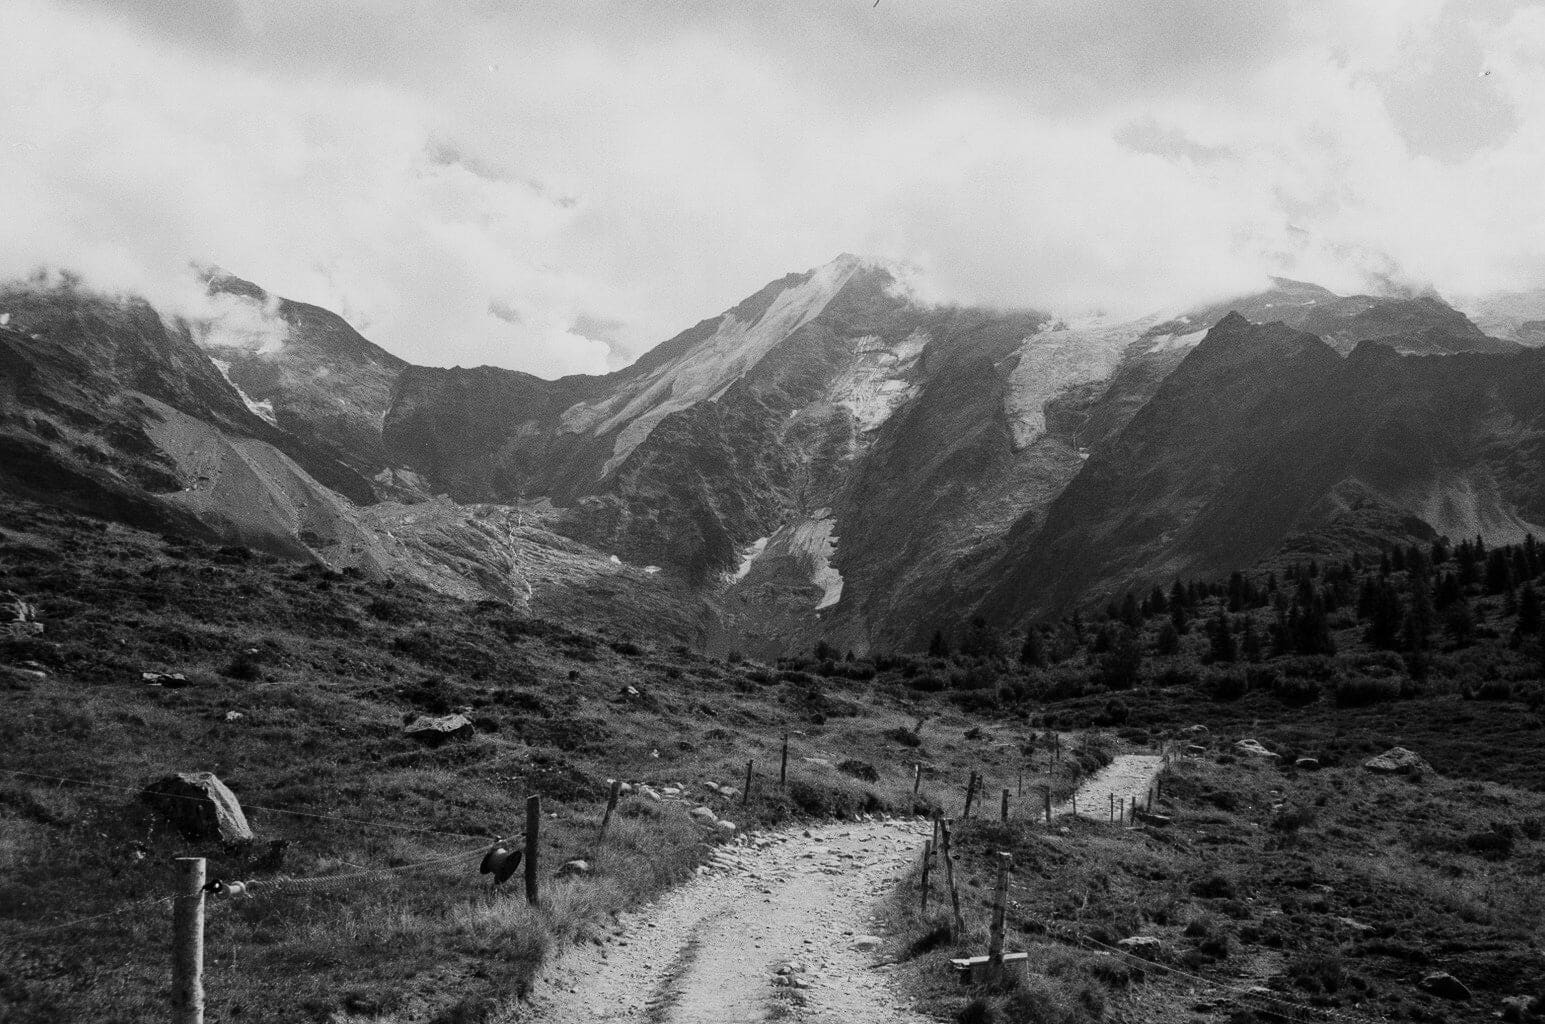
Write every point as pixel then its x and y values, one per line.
pixel 1397 761
pixel 435 731
pixel 200 806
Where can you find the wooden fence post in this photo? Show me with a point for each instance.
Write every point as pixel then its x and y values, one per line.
pixel 533 840
pixel 1113 808
pixel 745 794
pixel 1000 897
pixel 927 863
pixel 1075 805
pixel 1134 808
pixel 917 777
pixel 1021 781
pixel 611 805
pixel 949 880
pixel 188 943
pixel 1046 792
pixel 783 766
pixel 1005 805
pixel 970 794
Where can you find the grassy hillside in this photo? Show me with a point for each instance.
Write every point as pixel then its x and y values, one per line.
pixel 298 684
pixel 1274 894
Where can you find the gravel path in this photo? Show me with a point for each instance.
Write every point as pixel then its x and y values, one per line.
pixel 711 951
pixel 1127 776
pixel 778 928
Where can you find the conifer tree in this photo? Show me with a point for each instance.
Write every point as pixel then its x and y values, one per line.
pixel 1031 652
pixel 1528 610
pixel 1221 636
pixel 1250 643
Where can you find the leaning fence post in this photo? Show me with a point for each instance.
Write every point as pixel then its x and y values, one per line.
pixel 533 837
pixel 188 943
pixel 1005 805
pixel 1021 782
pixel 970 793
pixel 1113 808
pixel 745 794
pixel 949 879
pixel 611 805
pixel 999 902
pixel 783 765
pixel 917 777
pixel 927 863
pixel 1134 808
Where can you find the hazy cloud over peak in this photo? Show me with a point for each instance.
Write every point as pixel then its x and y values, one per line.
pixel 556 186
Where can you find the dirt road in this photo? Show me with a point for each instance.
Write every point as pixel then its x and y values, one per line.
pixel 710 952
pixel 800 902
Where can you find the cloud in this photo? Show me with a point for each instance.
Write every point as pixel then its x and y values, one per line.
pixel 555 187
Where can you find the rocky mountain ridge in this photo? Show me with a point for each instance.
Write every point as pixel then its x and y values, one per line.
pixel 831 459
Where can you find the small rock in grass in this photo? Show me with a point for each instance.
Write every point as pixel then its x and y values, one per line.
pixel 1397 761
pixel 1254 749
pixel 703 813
pixel 1517 1009
pixel 234 716
pixel 435 731
pixel 1441 983
pixel 1142 945
pixel 724 826
pixel 575 867
pixel 1308 764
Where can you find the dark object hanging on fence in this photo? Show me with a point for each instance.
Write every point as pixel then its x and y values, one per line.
pixel 502 860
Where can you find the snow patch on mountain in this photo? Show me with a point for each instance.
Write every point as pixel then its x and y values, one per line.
pixel 1063 355
pixel 798 552
pixel 877 384
pixel 748 559
pixel 1176 342
pixel 263 409
pixel 704 372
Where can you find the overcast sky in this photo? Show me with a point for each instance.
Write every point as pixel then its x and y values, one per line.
pixel 557 186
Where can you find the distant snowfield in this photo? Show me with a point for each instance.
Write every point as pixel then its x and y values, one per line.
pixel 1176 342
pixel 1051 361
pixel 808 543
pixel 710 367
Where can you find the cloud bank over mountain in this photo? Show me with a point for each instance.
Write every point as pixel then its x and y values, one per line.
pixel 556 187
